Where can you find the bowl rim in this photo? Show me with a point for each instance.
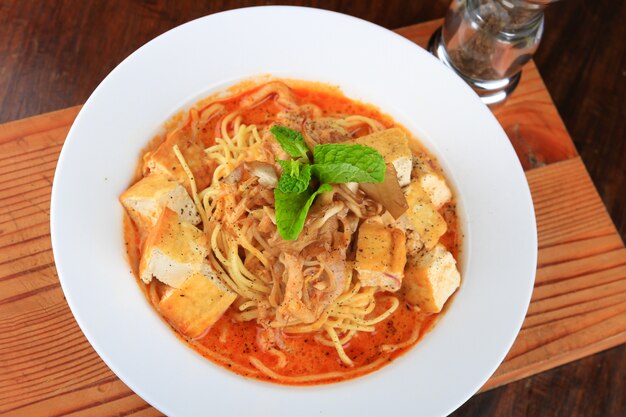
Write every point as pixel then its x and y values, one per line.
pixel 59 221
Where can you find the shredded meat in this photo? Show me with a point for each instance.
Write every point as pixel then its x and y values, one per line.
pixel 308 295
pixel 276 90
pixel 292 305
pixel 325 130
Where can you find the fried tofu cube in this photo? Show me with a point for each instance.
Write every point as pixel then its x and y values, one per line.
pixel 173 251
pixel 380 256
pixel 199 302
pixel 163 160
pixel 145 200
pixel 393 145
pixel 431 278
pixel 422 217
pixel 433 183
pixel 436 188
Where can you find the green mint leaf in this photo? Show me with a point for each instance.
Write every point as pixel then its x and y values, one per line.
pixel 291 141
pixel 295 177
pixel 337 163
pixel 292 208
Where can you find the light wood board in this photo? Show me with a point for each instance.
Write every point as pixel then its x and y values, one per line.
pixel 47 367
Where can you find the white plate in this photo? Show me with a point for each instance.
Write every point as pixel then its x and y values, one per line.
pixel 369 63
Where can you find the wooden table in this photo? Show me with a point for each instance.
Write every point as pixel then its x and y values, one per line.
pixel 57 52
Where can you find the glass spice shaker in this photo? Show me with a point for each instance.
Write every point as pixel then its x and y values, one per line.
pixel 486 42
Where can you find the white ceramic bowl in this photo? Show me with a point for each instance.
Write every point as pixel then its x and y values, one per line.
pixel 369 63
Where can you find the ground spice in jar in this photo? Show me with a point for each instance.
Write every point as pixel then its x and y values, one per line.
pixel 491 39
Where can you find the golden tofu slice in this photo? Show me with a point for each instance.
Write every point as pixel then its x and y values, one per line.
pixel 393 145
pixel 173 251
pixel 433 183
pixel 436 188
pixel 199 302
pixel 380 256
pixel 422 217
pixel 163 160
pixel 146 199
pixel 431 278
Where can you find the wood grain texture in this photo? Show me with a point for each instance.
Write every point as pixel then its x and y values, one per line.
pixel 48 367
pixel 48 63
pixel 578 306
pixel 583 61
pixel 55 52
pixel 529 117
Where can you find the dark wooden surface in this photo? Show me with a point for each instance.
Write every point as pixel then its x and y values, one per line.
pixel 54 53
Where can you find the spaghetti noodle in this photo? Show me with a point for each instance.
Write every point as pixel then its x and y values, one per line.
pixel 291 296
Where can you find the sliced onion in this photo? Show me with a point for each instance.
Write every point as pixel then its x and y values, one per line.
pixel 235 176
pixel 264 171
pixel 388 193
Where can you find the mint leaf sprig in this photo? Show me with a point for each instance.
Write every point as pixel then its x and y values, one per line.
pixel 291 141
pixel 334 163
pixel 295 178
pixel 292 208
